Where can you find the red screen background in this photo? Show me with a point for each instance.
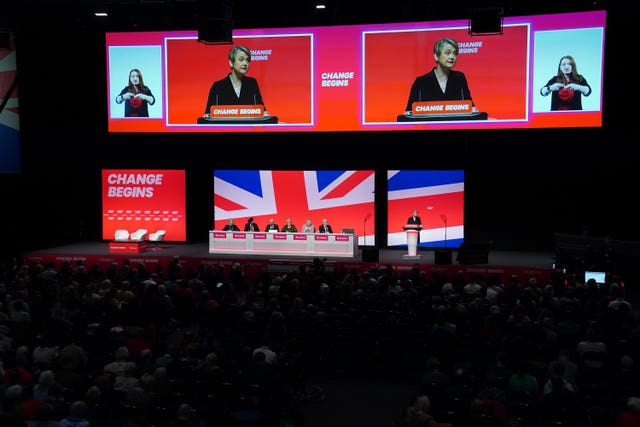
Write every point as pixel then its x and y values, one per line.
pixel 165 209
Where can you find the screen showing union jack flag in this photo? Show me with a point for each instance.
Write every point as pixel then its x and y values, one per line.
pixel 346 199
pixel 10 157
pixel 437 195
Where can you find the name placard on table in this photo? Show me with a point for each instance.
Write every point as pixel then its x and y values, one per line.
pixel 295 244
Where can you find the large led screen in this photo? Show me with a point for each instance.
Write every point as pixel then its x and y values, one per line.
pixel 361 78
pixel 438 198
pixel 10 152
pixel 154 200
pixel 346 199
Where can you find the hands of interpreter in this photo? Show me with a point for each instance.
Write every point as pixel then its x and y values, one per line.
pixel 129 95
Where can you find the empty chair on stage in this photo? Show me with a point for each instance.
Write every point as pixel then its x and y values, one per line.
pixel 139 234
pixel 121 235
pixel 157 236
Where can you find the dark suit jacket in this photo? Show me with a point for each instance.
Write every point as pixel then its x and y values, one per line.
pixel 251 226
pixel 415 220
pixel 222 93
pixel 427 88
pixel 230 228
pixel 272 227
pixel 325 229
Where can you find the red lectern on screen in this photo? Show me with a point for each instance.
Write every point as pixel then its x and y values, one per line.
pixel 150 199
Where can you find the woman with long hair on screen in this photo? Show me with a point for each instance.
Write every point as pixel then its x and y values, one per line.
pixel 136 96
pixel 567 87
pixel 236 88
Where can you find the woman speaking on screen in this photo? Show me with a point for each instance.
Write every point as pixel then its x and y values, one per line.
pixel 236 88
pixel 442 83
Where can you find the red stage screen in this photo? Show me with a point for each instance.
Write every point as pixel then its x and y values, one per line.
pixel 358 77
pixel 154 200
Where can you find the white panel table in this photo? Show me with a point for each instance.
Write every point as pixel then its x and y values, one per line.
pixel 296 244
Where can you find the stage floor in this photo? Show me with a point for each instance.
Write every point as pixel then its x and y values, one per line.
pixel 503 263
pixel 384 256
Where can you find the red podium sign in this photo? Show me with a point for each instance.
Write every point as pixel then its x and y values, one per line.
pixel 441 107
pixel 236 111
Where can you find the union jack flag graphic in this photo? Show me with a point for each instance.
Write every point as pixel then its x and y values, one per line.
pixel 9 119
pixel 345 198
pixel 438 195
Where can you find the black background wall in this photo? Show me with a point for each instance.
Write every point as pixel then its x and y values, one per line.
pixel 521 186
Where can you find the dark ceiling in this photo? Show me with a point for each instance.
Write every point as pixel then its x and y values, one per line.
pixel 131 15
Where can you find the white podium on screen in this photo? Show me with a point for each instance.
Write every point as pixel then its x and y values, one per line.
pixel 413 232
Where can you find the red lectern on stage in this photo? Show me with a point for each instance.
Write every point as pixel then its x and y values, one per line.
pixel 413 231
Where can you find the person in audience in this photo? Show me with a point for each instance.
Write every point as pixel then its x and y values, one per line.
pixel 442 83
pixel 187 416
pixel 77 415
pixel 592 355
pixel 136 96
pixel 45 354
pixel 567 87
pixel 630 415
pixel 251 225
pixel 272 225
pixel 230 226
pixel 523 382
pixel 417 414
pixel 45 380
pixel 308 227
pixel 289 227
pixel 43 416
pixel 11 412
pixel 236 88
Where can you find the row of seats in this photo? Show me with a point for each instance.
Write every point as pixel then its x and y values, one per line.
pixel 139 234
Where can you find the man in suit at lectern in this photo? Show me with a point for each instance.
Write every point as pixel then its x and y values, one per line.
pixel 414 219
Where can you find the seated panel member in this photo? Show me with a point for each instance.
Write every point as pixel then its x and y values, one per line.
pixel 289 227
pixel 272 226
pixel 231 226
pixel 308 227
pixel 251 226
pixel 325 227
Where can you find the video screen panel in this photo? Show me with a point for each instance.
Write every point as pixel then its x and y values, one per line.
pixel 346 78
pixel 10 150
pixel 152 199
pixel 437 195
pixel 346 199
